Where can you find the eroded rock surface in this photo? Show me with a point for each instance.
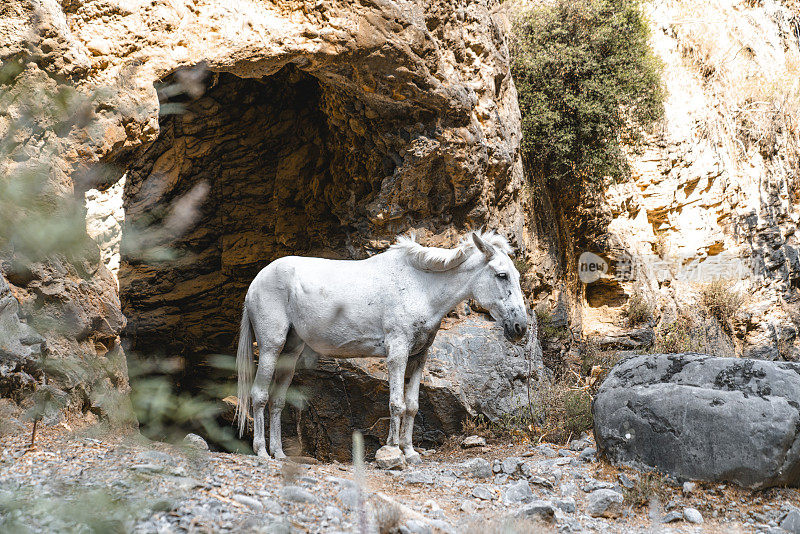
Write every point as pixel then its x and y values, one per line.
pixel 288 128
pixel 669 412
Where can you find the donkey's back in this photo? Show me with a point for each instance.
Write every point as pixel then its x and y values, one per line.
pixel 337 307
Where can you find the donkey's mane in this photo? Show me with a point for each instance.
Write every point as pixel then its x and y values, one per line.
pixel 443 259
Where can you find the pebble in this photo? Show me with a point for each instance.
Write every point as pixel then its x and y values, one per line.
pixel 469 507
pixel 484 492
pixel 478 467
pixel 625 481
pixel 567 505
pixel 250 502
pixel 518 492
pixel 390 458
pixel 540 509
pixel 509 466
pixel 196 442
pixel 589 454
pixel 672 517
pixel 546 451
pixel 693 515
pixel 689 487
pixel 603 502
pixel 473 441
pixel 297 494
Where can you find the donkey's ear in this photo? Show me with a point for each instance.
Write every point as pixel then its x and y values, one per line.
pixel 488 250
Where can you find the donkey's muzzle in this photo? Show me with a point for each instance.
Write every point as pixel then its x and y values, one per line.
pixel 515 330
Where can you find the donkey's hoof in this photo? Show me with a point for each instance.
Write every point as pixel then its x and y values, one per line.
pixel 412 457
pixel 279 455
pixel 262 453
pixel 390 457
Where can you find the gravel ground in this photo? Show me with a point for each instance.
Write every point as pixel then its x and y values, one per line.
pixel 73 482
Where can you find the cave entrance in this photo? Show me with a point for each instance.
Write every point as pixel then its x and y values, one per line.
pixel 237 177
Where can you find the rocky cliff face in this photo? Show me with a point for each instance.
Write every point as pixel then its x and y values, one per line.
pixel 712 194
pixel 252 130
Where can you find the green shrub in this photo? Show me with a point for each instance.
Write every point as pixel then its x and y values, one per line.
pixel 587 81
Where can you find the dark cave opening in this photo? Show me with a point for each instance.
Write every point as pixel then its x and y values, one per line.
pixel 237 177
pixel 249 171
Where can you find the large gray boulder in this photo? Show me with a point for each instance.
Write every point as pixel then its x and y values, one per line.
pixel 700 417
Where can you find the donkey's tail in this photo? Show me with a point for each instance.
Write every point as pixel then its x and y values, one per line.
pixel 246 369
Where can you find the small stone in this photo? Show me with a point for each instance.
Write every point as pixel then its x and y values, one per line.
pixel 518 492
pixel 389 457
pixel 196 442
pixel 567 505
pixel 548 452
pixel 484 492
pixel 473 441
pixel 297 494
pixel 478 467
pixel 469 507
pixel 540 509
pixel 497 466
pixel 791 522
pixel 250 502
pixel 625 481
pixel 589 454
pixel 510 465
pixel 334 514
pixel 689 487
pixel 672 517
pixel 693 515
pixel 604 503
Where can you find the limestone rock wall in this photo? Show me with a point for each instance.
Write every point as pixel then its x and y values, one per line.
pixel 296 127
pixel 713 192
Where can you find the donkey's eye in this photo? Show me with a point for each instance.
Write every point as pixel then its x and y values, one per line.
pixel 502 276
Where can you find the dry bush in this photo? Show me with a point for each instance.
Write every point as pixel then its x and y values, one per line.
pixel 645 488
pixel 560 411
pixel 751 65
pixel 720 300
pixel 509 426
pixel 595 363
pixel 676 336
pixel 638 310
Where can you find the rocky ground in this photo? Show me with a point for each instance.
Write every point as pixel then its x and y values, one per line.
pixel 124 483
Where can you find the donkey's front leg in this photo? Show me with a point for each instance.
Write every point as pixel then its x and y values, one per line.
pixel 415 368
pixel 396 365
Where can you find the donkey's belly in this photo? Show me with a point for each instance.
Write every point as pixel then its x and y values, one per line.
pixel 346 348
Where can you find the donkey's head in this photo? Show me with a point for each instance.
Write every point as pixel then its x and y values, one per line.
pixel 496 286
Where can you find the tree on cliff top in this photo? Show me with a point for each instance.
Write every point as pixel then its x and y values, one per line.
pixel 587 82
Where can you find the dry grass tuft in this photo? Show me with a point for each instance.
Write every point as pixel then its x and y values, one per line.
pixel 720 300
pixel 751 65
pixel 646 487
pixel 639 310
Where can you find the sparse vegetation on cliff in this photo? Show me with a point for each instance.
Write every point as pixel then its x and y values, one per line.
pixel 587 80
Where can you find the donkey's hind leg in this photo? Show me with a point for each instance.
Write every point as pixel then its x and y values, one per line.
pixel 271 338
pixel 284 373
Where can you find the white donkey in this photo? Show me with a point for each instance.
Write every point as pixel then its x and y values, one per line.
pixel 389 305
